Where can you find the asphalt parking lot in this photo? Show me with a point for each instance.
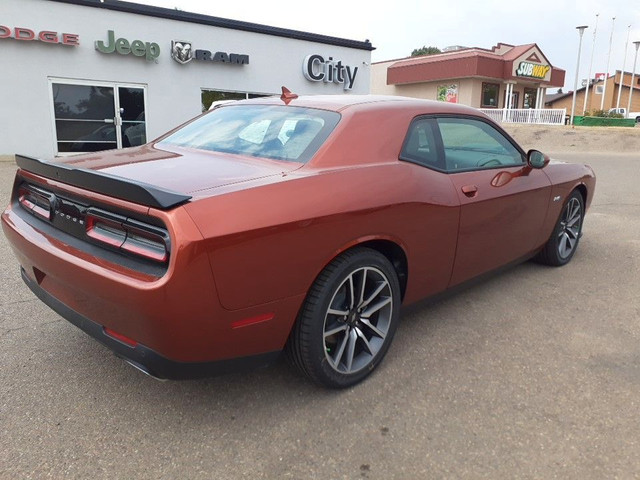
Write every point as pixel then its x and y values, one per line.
pixel 534 373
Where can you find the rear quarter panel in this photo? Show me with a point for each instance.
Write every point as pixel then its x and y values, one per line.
pixel 271 242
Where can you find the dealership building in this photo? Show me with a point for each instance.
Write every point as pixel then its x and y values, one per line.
pixel 513 76
pixel 89 75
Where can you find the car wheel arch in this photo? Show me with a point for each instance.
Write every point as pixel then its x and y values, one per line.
pixel 396 255
pixel 391 248
pixel 582 189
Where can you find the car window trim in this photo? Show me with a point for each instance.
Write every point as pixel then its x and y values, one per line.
pixel 440 144
pixel 439 147
pixel 496 127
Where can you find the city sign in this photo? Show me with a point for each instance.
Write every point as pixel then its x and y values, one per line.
pixel 316 69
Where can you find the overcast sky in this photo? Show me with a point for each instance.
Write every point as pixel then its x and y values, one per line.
pixel 395 28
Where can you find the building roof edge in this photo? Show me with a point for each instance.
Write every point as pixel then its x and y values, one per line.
pixel 179 15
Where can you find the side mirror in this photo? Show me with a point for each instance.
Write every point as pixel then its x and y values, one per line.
pixel 537 159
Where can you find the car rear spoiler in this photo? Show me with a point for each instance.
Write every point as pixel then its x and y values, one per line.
pixel 111 185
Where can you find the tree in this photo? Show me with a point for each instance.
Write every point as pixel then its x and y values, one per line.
pixel 425 51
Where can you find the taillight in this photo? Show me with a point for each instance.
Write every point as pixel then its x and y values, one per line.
pixel 128 235
pixel 105 231
pixel 33 200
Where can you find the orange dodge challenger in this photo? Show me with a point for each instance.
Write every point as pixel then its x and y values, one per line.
pixel 296 224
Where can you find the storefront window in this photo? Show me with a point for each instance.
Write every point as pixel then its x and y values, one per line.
pixel 90 118
pixel 80 112
pixel 530 97
pixel 210 96
pixel 490 92
pixel 448 93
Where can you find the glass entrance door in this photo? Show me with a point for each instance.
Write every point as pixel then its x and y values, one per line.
pixel 90 117
pixel 131 111
pixel 515 99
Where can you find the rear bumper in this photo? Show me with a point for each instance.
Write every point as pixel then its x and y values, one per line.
pixel 143 357
pixel 173 319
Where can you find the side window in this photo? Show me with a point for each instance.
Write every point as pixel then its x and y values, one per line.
pixel 472 144
pixel 420 144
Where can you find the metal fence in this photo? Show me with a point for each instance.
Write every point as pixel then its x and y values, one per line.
pixel 544 116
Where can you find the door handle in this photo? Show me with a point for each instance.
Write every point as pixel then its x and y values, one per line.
pixel 470 190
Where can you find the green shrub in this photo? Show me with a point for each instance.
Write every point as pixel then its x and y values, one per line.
pixel 602 113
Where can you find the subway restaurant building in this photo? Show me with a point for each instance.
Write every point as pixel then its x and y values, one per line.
pixel 505 75
pixel 89 75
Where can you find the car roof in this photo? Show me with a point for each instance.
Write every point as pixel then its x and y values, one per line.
pixel 339 103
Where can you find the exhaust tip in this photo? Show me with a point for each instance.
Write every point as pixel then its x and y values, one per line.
pixel 144 370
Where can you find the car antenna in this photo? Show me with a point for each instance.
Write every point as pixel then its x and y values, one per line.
pixel 287 95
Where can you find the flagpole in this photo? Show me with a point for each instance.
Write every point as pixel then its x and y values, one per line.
pixel 593 49
pixel 624 64
pixel 606 74
pixel 633 75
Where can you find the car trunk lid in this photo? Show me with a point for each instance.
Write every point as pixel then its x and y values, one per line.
pixel 160 178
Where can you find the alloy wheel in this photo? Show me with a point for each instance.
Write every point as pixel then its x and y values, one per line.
pixel 569 228
pixel 357 320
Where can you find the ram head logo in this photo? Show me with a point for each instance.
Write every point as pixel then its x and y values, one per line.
pixel 181 51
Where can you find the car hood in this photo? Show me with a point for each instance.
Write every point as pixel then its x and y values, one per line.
pixel 179 169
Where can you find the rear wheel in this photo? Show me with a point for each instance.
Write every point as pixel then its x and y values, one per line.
pixel 348 319
pixel 563 243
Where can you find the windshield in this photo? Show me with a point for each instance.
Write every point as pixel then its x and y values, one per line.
pixel 276 132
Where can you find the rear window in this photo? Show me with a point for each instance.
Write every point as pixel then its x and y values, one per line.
pixel 276 132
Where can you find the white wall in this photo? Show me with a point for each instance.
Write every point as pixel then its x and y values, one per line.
pixel 379 79
pixel 173 90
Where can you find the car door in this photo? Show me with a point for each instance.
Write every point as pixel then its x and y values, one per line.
pixel 503 202
pixel 435 206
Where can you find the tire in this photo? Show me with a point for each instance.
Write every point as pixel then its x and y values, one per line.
pixel 563 243
pixel 344 330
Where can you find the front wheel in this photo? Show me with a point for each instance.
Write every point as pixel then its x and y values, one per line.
pixel 564 240
pixel 348 319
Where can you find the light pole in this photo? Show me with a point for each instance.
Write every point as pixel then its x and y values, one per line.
pixel 593 49
pixel 633 75
pixel 581 30
pixel 606 74
pixel 624 64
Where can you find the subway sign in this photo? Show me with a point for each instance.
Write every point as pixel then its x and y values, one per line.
pixel 527 69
